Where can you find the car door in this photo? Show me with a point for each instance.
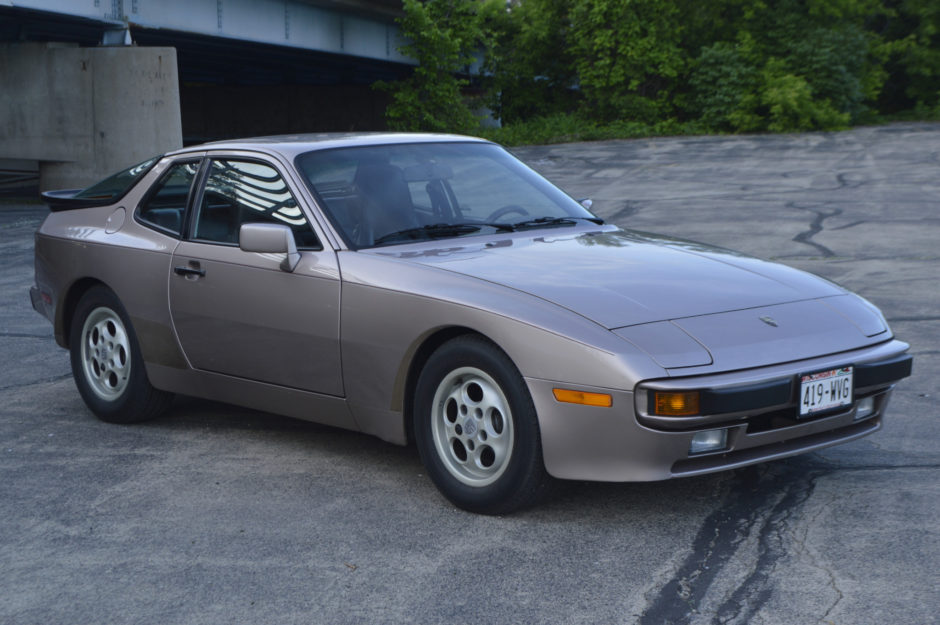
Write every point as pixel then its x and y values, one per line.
pixel 238 313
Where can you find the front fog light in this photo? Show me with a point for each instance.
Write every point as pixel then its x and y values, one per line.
pixel 712 440
pixel 864 408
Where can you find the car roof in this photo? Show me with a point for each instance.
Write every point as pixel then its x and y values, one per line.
pixel 292 145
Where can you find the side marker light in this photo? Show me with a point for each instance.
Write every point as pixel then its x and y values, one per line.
pixel 567 396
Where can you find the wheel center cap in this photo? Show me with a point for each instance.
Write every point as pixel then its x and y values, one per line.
pixel 469 427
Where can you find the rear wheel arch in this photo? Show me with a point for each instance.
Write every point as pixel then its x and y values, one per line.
pixel 69 303
pixel 107 365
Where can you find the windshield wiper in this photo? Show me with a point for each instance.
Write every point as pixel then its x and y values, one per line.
pixel 554 221
pixel 432 231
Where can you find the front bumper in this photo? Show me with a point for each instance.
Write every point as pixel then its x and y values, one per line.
pixel 620 444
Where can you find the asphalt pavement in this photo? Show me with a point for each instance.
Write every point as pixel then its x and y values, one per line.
pixel 214 514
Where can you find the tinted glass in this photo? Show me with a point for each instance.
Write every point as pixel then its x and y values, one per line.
pixel 239 192
pixel 164 206
pixel 117 185
pixel 382 195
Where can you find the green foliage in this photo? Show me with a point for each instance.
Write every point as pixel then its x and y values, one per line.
pixel 561 70
pixel 791 106
pixel 442 36
pixel 627 56
pixel 911 35
pixel 530 69
pixel 567 127
pixel 725 83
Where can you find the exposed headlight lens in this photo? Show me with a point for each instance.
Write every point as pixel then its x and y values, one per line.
pixel 711 440
pixel 864 408
pixel 673 404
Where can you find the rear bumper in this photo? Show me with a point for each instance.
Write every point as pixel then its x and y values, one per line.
pixel 42 303
pixel 620 444
pixel 36 300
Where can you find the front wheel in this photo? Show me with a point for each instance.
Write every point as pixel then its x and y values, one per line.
pixel 476 428
pixel 106 362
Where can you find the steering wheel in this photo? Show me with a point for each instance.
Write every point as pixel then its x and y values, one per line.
pixel 507 210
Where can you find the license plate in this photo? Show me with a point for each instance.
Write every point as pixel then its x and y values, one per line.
pixel 825 390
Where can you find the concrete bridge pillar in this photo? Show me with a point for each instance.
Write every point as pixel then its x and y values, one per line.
pixel 85 113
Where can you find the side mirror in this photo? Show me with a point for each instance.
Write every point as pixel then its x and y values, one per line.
pixel 270 239
pixel 586 203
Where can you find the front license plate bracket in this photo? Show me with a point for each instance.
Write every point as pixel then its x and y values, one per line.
pixel 825 391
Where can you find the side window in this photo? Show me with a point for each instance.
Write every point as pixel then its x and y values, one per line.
pixel 164 206
pixel 239 192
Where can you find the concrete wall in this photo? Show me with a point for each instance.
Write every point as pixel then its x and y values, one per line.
pixel 84 113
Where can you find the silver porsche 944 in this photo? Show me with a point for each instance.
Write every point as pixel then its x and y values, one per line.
pixel 434 289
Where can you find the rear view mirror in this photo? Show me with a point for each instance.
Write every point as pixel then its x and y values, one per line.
pixel 270 239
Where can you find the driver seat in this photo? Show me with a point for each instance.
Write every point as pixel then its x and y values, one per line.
pixel 386 199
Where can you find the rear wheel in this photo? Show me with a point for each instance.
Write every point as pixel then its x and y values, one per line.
pixel 106 363
pixel 476 428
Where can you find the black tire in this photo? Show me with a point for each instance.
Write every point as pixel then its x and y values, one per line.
pixel 476 428
pixel 106 362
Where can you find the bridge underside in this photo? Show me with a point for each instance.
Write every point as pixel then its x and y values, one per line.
pixel 231 87
pixel 227 87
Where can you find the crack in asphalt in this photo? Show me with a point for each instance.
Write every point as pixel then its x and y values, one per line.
pixel 914 318
pixel 20 385
pixel 629 210
pixel 803 549
pixel 887 467
pixel 814 228
pixel 23 335
pixel 752 593
pixel 851 225
pixel 759 504
pixel 760 499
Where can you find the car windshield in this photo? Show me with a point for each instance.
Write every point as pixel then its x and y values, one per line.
pixel 393 194
pixel 115 186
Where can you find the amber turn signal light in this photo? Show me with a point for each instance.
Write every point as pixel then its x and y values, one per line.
pixel 675 404
pixel 580 397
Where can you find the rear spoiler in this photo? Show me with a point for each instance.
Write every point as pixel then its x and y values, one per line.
pixel 65 200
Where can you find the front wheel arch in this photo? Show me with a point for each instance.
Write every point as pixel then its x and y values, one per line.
pixel 421 354
pixel 470 400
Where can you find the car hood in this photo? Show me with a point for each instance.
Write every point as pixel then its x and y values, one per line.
pixel 684 303
pixel 621 278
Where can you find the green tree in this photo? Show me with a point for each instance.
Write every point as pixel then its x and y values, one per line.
pixel 530 70
pixel 628 57
pixel 794 65
pixel 911 33
pixel 442 36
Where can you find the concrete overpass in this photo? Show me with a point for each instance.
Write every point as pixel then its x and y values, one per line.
pixel 90 86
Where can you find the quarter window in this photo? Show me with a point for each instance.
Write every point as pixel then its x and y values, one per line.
pixel 239 192
pixel 163 207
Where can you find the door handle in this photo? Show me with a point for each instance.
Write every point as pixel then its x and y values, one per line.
pixel 189 271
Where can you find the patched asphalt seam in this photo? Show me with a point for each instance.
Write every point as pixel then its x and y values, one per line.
pixel 762 499
pixel 755 590
pixel 628 210
pixel 925 318
pixel 58 378
pixel 814 228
